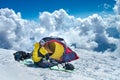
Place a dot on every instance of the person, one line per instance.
(40, 56)
(51, 51)
(47, 53)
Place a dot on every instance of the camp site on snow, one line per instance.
(49, 52)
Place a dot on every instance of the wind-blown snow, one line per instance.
(90, 66)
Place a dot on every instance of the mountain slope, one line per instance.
(90, 66)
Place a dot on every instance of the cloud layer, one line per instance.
(117, 7)
(91, 33)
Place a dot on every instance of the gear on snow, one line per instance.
(49, 52)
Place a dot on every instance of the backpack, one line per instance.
(21, 55)
(68, 66)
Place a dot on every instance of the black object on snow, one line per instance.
(21, 55)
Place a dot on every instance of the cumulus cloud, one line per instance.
(117, 7)
(59, 23)
(15, 32)
(91, 33)
(58, 20)
(117, 51)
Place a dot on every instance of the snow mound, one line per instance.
(90, 66)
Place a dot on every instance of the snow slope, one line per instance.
(90, 66)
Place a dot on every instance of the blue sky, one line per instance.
(30, 9)
(94, 32)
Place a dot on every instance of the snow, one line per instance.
(90, 66)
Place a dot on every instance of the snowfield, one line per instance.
(90, 66)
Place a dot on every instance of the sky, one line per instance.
(30, 9)
(84, 25)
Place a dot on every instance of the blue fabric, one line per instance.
(68, 57)
(46, 64)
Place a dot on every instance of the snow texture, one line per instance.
(90, 66)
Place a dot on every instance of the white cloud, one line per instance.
(87, 33)
(15, 32)
(117, 7)
(56, 20)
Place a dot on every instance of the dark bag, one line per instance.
(21, 55)
(69, 66)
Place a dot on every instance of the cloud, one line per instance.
(91, 33)
(106, 6)
(56, 20)
(117, 7)
(117, 51)
(15, 32)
